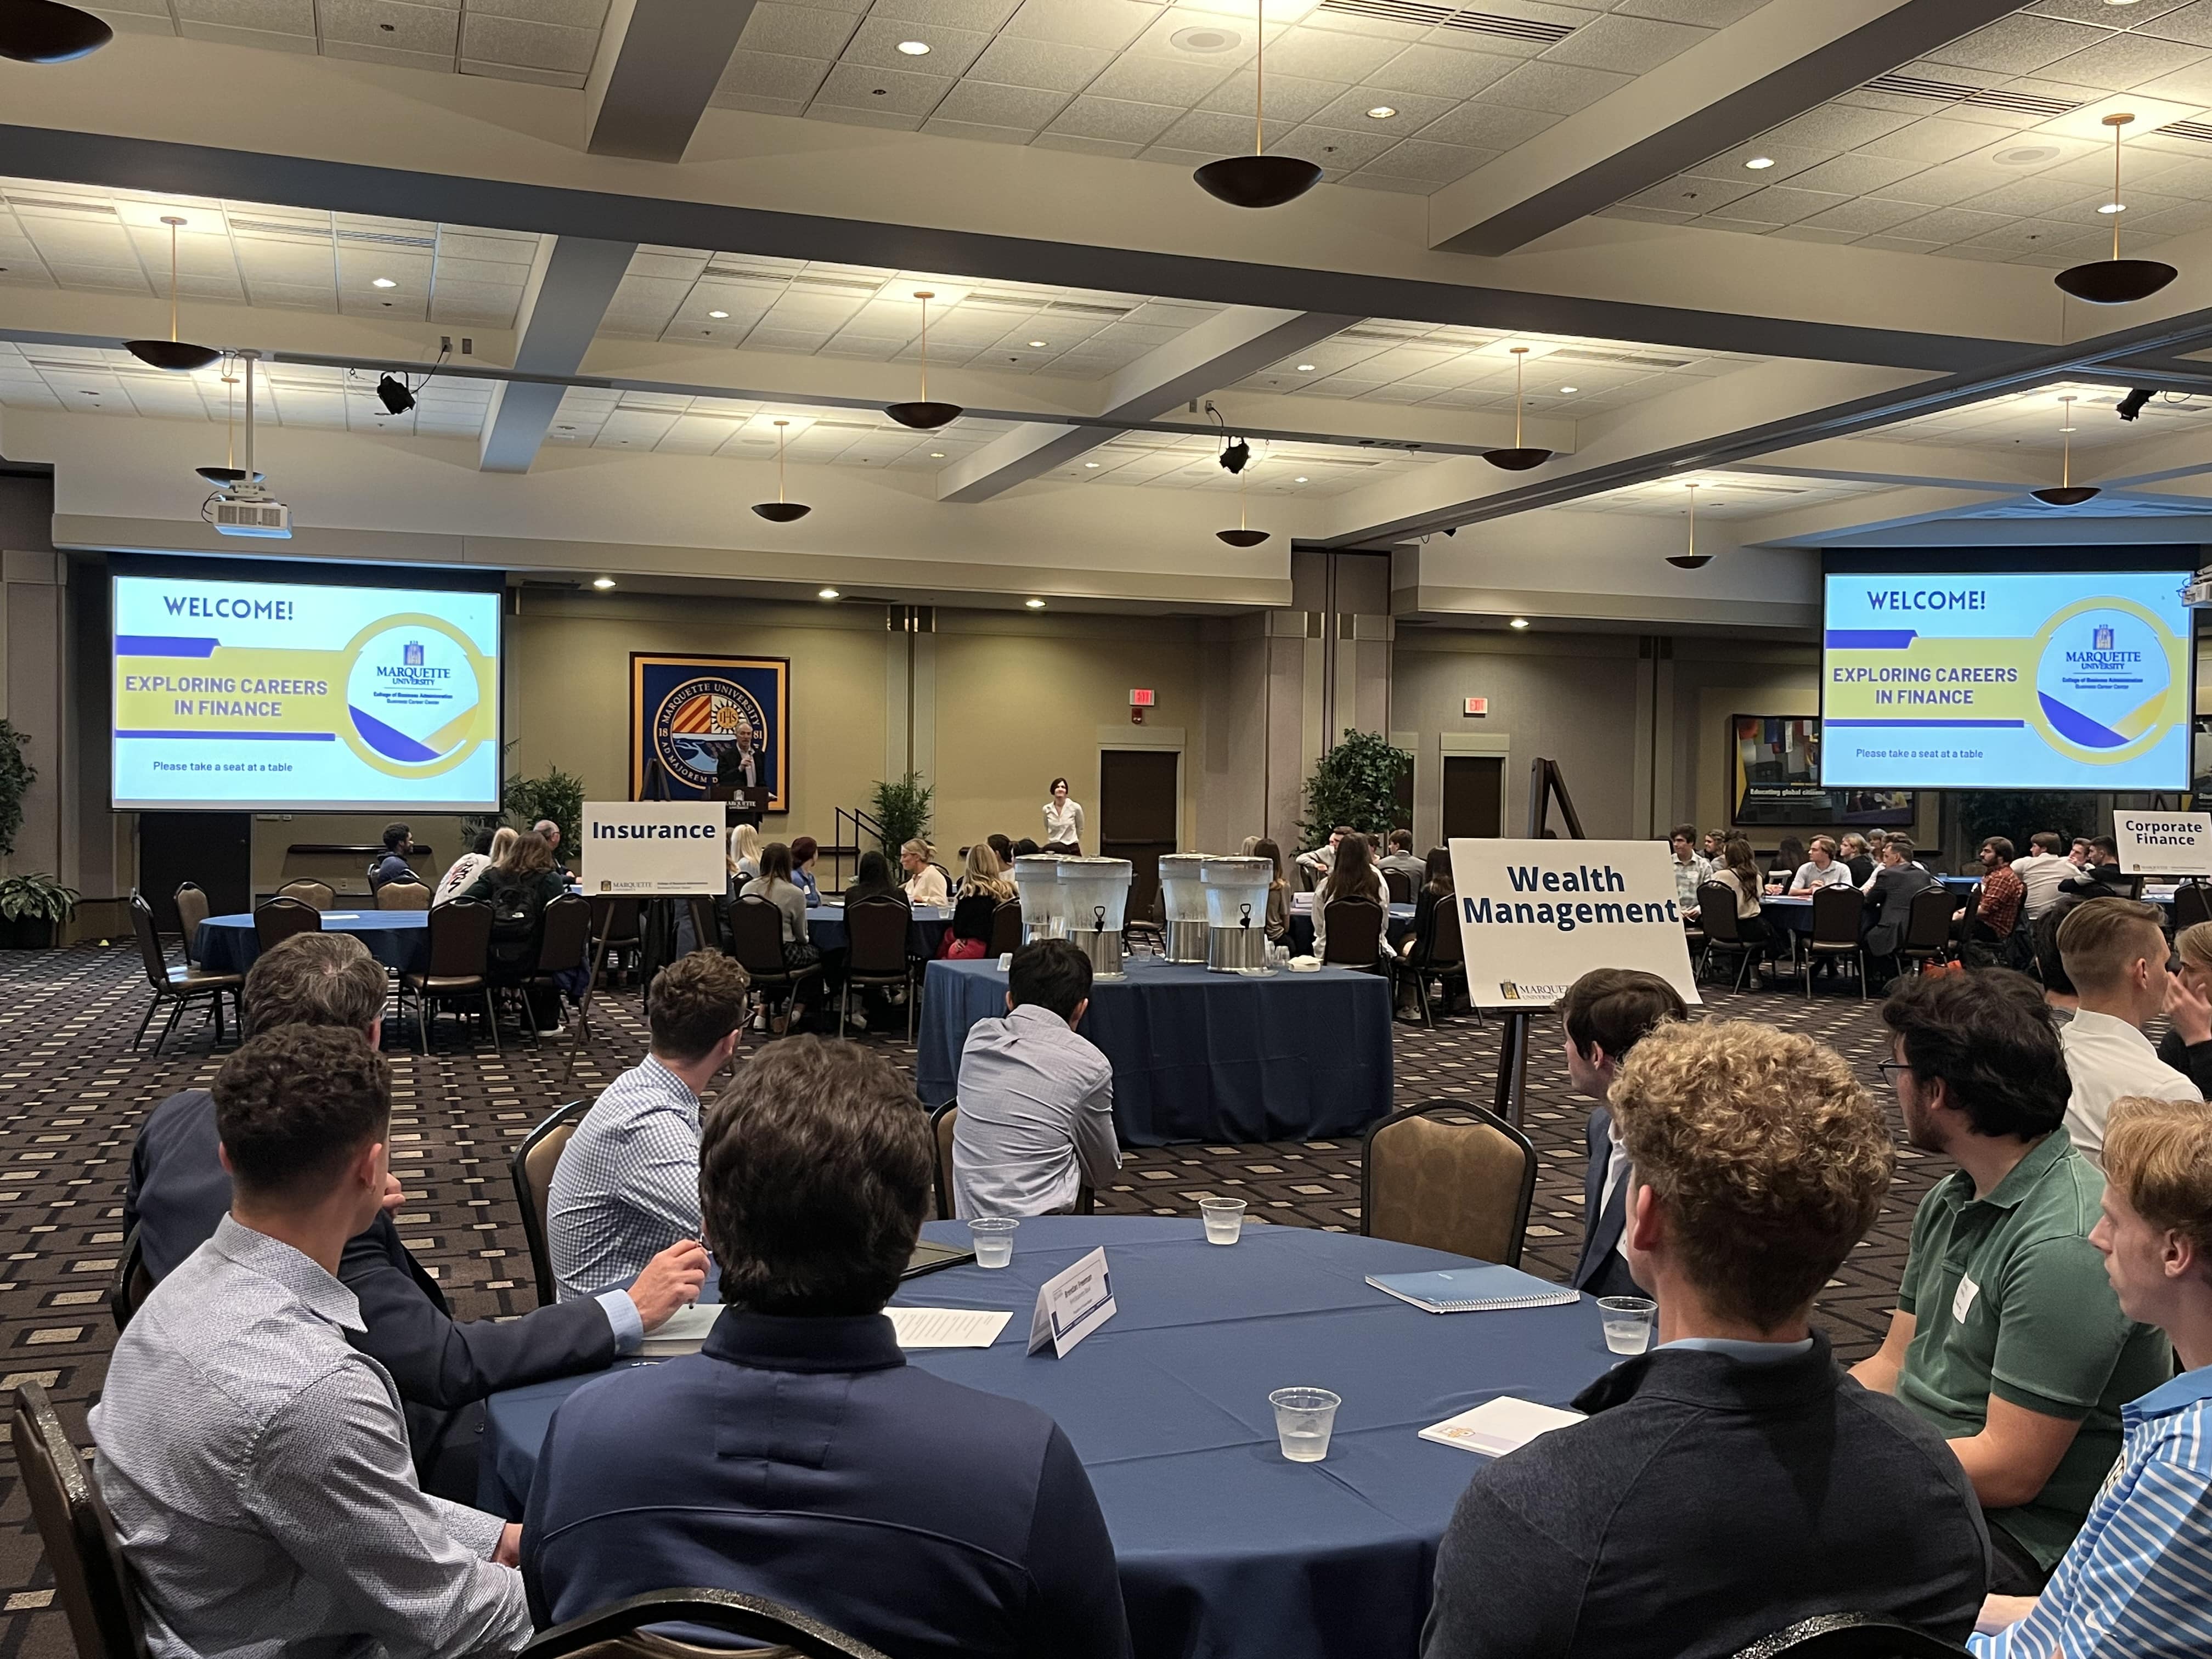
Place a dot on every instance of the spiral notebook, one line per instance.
(1481, 1289)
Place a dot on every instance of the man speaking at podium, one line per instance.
(739, 768)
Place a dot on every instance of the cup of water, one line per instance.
(1303, 1418)
(1224, 1218)
(993, 1241)
(1628, 1322)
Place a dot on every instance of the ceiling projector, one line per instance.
(248, 509)
(2198, 595)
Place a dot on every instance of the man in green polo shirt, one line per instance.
(2006, 1336)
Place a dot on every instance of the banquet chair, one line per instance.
(178, 987)
(1838, 913)
(532, 1168)
(191, 910)
(402, 896)
(2192, 903)
(321, 894)
(1441, 956)
(283, 916)
(92, 1581)
(458, 965)
(1928, 928)
(941, 1122)
(1355, 934)
(563, 944)
(1450, 1176)
(619, 1630)
(756, 941)
(132, 1283)
(875, 936)
(615, 924)
(1850, 1636)
(1717, 902)
(1006, 928)
(1399, 885)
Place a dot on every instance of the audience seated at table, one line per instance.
(392, 866)
(550, 832)
(518, 888)
(1740, 870)
(257, 1463)
(1732, 1481)
(2115, 955)
(1036, 1098)
(1820, 868)
(2007, 1335)
(177, 1191)
(799, 1456)
(925, 881)
(627, 1185)
(2046, 865)
(1692, 869)
(1789, 858)
(1400, 858)
(1319, 860)
(1278, 889)
(983, 888)
(805, 850)
(1896, 883)
(1604, 1015)
(871, 878)
(2187, 1044)
(1857, 857)
(1435, 889)
(1711, 844)
(491, 846)
(2004, 893)
(743, 856)
(2134, 1584)
(2101, 875)
(1351, 875)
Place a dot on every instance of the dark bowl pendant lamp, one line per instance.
(2115, 282)
(1258, 180)
(46, 31)
(1244, 535)
(780, 511)
(2068, 494)
(923, 415)
(230, 473)
(1517, 459)
(1691, 560)
(178, 356)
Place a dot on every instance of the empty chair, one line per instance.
(756, 941)
(876, 935)
(1449, 1176)
(2192, 903)
(562, 944)
(1850, 1636)
(321, 894)
(402, 896)
(1354, 934)
(1400, 887)
(1838, 913)
(619, 1630)
(92, 1581)
(532, 1168)
(459, 957)
(178, 987)
(283, 916)
(1006, 928)
(191, 910)
(941, 1124)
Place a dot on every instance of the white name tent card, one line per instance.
(1071, 1305)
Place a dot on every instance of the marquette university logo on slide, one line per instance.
(412, 693)
(2104, 678)
(698, 720)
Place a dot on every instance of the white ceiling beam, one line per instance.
(1218, 352)
(572, 282)
(1875, 459)
(656, 69)
(1782, 60)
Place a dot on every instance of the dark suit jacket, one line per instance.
(178, 1190)
(1891, 901)
(805, 1460)
(2099, 881)
(1600, 1271)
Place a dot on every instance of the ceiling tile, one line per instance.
(770, 74)
(1108, 24)
(944, 128)
(1561, 89)
(1349, 111)
(2191, 23)
(1113, 119)
(1332, 146)
(1782, 205)
(1438, 163)
(518, 72)
(273, 17)
(1014, 62)
(1953, 181)
(1290, 99)
(1209, 132)
(416, 29)
(1083, 146)
(2019, 45)
(527, 45)
(1706, 14)
(875, 44)
(1159, 81)
(1789, 159)
(760, 106)
(2192, 85)
(1948, 225)
(797, 31)
(1485, 125)
(981, 104)
(1440, 71)
(1936, 139)
(2121, 62)
(1367, 178)
(2027, 196)
(1854, 175)
(1837, 126)
(1866, 214)
(892, 92)
(434, 62)
(1630, 45)
(984, 15)
(1321, 55)
(1686, 194)
(255, 40)
(569, 13)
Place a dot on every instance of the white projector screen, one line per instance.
(237, 695)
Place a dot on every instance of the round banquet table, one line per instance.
(1199, 1055)
(825, 928)
(397, 938)
(1225, 1548)
(1298, 933)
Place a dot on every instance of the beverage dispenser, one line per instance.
(1182, 903)
(1236, 912)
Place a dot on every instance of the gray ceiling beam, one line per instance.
(657, 67)
(571, 284)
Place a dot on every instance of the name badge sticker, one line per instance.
(1962, 1301)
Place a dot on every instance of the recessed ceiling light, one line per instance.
(382, 282)
(1034, 604)
(1518, 621)
(915, 48)
(1205, 39)
(1305, 368)
(1570, 388)
(1091, 463)
(2113, 207)
(603, 583)
(1036, 345)
(1298, 480)
(1381, 112)
(718, 315)
(827, 594)
(2026, 156)
(1757, 164)
(936, 454)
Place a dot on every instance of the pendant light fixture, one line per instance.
(1691, 560)
(1517, 459)
(923, 415)
(46, 31)
(1244, 535)
(230, 471)
(2115, 282)
(780, 511)
(2068, 494)
(1258, 180)
(172, 354)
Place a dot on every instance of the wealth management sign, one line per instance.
(1535, 915)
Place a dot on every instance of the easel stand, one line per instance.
(1512, 1066)
(656, 934)
(1546, 785)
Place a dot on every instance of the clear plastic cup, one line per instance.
(993, 1241)
(1628, 1321)
(1224, 1218)
(1304, 1419)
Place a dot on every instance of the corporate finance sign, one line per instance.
(2164, 843)
(653, 847)
(1536, 915)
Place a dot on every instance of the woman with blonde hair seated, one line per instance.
(925, 881)
(744, 857)
(983, 888)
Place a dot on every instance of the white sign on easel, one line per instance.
(653, 847)
(1536, 915)
(2164, 843)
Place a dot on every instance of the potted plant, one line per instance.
(16, 777)
(32, 910)
(902, 811)
(558, 795)
(1354, 784)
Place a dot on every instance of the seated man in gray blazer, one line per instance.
(1896, 883)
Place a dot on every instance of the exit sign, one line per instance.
(1478, 706)
(1142, 699)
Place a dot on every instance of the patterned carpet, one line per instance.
(73, 1092)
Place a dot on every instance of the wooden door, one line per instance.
(1139, 801)
(1474, 795)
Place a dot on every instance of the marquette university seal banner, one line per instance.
(687, 713)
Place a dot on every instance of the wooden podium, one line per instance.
(742, 805)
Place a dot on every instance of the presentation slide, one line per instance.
(2041, 680)
(281, 695)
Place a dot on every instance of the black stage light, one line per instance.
(1236, 457)
(392, 392)
(2132, 405)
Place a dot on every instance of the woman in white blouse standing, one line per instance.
(1063, 822)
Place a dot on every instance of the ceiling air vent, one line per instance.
(1452, 17)
(1627, 359)
(1953, 92)
(60, 204)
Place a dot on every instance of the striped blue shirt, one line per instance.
(626, 1184)
(2138, 1582)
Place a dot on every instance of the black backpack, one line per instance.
(518, 909)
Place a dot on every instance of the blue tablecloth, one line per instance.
(1199, 1055)
(1225, 1549)
(1298, 935)
(825, 928)
(397, 938)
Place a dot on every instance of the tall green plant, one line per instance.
(16, 777)
(558, 795)
(902, 811)
(2016, 814)
(1355, 784)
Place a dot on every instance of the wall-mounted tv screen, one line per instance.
(1775, 761)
